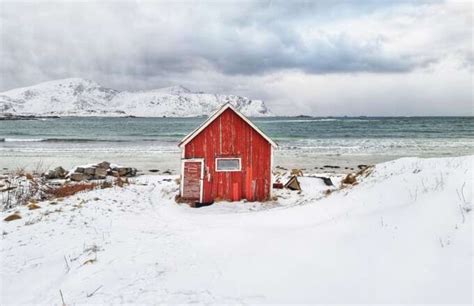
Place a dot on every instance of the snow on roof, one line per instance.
(214, 116)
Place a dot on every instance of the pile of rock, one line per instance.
(91, 172)
(100, 171)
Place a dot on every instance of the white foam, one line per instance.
(23, 139)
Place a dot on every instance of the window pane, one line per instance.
(228, 164)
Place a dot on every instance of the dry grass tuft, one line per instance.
(12, 217)
(296, 172)
(33, 206)
(8, 188)
(18, 190)
(106, 184)
(70, 189)
(49, 212)
(365, 171)
(119, 182)
(350, 179)
(20, 171)
(34, 220)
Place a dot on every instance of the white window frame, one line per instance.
(234, 170)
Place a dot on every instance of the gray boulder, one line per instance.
(89, 171)
(57, 173)
(132, 172)
(103, 165)
(77, 177)
(122, 171)
(100, 173)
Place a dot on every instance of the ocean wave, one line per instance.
(86, 140)
(82, 140)
(21, 139)
(299, 120)
(342, 120)
(56, 140)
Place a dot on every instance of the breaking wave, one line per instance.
(21, 139)
(56, 140)
(84, 140)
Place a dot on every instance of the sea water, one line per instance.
(375, 138)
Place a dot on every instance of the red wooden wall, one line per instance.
(230, 136)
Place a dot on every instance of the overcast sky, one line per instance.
(310, 57)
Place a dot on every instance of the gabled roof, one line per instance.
(214, 116)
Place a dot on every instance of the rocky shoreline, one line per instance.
(9, 116)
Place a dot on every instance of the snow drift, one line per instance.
(402, 235)
(79, 97)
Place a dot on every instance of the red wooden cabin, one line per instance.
(226, 158)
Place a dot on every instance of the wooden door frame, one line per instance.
(201, 178)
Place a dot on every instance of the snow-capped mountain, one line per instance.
(79, 97)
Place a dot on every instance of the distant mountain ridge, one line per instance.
(80, 97)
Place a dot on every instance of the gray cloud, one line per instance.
(135, 45)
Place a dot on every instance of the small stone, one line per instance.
(77, 177)
(100, 173)
(89, 171)
(132, 172)
(60, 171)
(122, 171)
(103, 165)
(57, 173)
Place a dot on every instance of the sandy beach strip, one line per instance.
(170, 161)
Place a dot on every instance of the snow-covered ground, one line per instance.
(402, 235)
